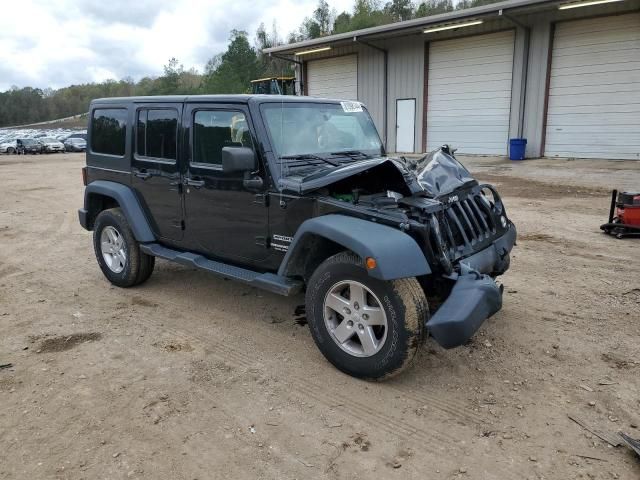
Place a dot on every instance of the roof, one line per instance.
(258, 98)
(174, 99)
(408, 25)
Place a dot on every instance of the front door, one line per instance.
(155, 169)
(225, 217)
(405, 125)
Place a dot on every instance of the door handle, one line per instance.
(195, 183)
(143, 174)
(252, 183)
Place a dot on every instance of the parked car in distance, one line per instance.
(294, 194)
(8, 147)
(51, 145)
(29, 145)
(78, 135)
(75, 144)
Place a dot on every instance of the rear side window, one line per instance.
(109, 131)
(215, 129)
(157, 133)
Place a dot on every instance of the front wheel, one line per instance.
(117, 251)
(365, 327)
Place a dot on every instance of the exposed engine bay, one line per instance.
(434, 197)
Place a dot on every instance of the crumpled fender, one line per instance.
(397, 254)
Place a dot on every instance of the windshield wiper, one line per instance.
(308, 156)
(351, 154)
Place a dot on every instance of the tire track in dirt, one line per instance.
(315, 391)
(170, 437)
(7, 270)
(457, 410)
(431, 440)
(303, 386)
(305, 389)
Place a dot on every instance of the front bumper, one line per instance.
(475, 295)
(474, 298)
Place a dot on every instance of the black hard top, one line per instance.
(214, 98)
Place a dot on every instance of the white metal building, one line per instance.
(564, 74)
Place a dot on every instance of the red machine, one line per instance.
(624, 215)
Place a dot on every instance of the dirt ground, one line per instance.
(193, 377)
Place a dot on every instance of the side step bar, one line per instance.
(267, 281)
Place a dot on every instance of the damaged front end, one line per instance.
(460, 225)
(471, 237)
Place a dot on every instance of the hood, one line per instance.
(440, 173)
(435, 174)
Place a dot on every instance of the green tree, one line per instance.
(322, 17)
(366, 14)
(232, 71)
(462, 4)
(170, 81)
(342, 23)
(399, 10)
(269, 65)
(434, 7)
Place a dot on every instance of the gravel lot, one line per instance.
(190, 376)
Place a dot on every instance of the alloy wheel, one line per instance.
(112, 247)
(355, 318)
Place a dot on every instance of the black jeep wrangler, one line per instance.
(290, 194)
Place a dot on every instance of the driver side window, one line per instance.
(215, 129)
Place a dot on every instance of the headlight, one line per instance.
(503, 221)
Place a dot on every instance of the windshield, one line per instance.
(321, 129)
(48, 140)
(28, 141)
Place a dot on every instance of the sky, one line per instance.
(55, 43)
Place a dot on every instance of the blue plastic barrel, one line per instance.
(517, 147)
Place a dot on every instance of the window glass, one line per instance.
(141, 133)
(215, 129)
(316, 128)
(157, 131)
(109, 131)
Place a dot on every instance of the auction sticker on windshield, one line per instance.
(350, 107)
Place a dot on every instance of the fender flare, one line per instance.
(397, 254)
(129, 204)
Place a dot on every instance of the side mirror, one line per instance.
(238, 159)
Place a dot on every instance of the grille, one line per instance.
(467, 224)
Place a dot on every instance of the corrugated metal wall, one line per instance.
(406, 72)
(406, 80)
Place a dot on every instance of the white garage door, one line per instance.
(333, 77)
(594, 92)
(469, 93)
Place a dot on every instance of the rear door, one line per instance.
(224, 217)
(155, 170)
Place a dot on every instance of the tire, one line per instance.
(117, 251)
(10, 151)
(392, 346)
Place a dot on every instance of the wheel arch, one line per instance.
(397, 254)
(101, 195)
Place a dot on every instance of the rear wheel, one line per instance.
(11, 150)
(117, 251)
(367, 328)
